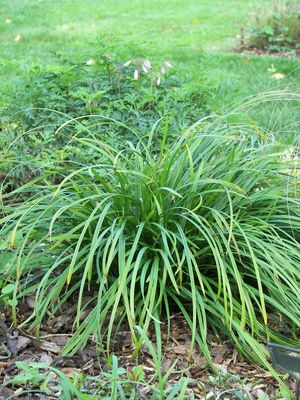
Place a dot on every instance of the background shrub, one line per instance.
(276, 28)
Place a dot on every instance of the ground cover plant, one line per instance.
(208, 225)
(275, 28)
(115, 383)
(134, 92)
(38, 379)
(44, 97)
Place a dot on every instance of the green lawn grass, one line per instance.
(196, 35)
(176, 28)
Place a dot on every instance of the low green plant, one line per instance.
(41, 378)
(276, 28)
(6, 295)
(208, 226)
(121, 383)
(117, 383)
(137, 93)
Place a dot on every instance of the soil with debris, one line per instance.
(261, 52)
(18, 344)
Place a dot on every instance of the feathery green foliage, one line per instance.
(135, 92)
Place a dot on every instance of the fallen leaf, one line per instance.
(5, 393)
(278, 75)
(260, 386)
(22, 343)
(3, 329)
(219, 354)
(166, 365)
(49, 346)
(12, 345)
(3, 364)
(61, 340)
(46, 359)
(69, 372)
(16, 343)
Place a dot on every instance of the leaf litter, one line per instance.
(20, 345)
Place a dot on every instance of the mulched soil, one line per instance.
(261, 52)
(21, 345)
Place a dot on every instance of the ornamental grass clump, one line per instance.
(276, 28)
(208, 226)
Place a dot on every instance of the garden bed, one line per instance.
(238, 378)
(149, 215)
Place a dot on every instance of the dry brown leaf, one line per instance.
(22, 343)
(46, 359)
(166, 365)
(49, 346)
(61, 340)
(69, 372)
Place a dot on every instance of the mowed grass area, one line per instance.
(175, 28)
(195, 35)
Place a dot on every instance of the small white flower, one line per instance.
(158, 81)
(8, 21)
(147, 64)
(127, 63)
(168, 64)
(136, 74)
(145, 68)
(90, 62)
(17, 38)
(163, 71)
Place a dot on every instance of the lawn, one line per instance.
(106, 230)
(196, 36)
(178, 29)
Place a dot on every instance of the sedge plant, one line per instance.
(208, 226)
